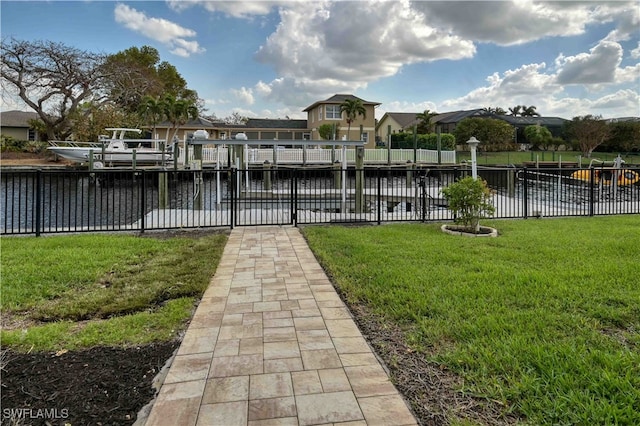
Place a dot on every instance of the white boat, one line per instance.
(114, 149)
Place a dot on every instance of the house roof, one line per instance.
(622, 119)
(269, 123)
(17, 118)
(338, 99)
(532, 121)
(404, 119)
(456, 116)
(198, 123)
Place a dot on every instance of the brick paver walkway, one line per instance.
(272, 343)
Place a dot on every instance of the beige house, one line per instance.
(321, 112)
(15, 124)
(395, 122)
(164, 130)
(328, 112)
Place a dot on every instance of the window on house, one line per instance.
(319, 113)
(364, 136)
(32, 134)
(333, 112)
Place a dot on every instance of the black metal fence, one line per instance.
(36, 202)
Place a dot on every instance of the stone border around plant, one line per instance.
(485, 231)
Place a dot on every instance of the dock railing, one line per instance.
(326, 156)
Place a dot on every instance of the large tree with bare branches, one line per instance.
(51, 78)
(136, 74)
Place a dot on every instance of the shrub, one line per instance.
(11, 144)
(424, 141)
(469, 200)
(35, 147)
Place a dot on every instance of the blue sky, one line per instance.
(271, 59)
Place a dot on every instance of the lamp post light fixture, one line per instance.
(473, 145)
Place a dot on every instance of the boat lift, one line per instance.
(200, 138)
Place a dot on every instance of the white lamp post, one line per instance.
(473, 145)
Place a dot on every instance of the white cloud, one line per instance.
(530, 85)
(626, 15)
(320, 48)
(628, 74)
(524, 85)
(263, 88)
(626, 100)
(596, 67)
(404, 106)
(635, 53)
(166, 32)
(236, 9)
(326, 47)
(509, 22)
(244, 95)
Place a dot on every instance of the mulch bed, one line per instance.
(98, 386)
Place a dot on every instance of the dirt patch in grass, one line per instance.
(98, 386)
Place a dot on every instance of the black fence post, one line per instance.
(294, 197)
(232, 204)
(38, 200)
(592, 198)
(379, 195)
(423, 195)
(143, 200)
(525, 189)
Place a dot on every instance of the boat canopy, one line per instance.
(118, 132)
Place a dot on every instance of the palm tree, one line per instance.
(529, 111)
(352, 108)
(424, 119)
(151, 110)
(178, 111)
(516, 110)
(496, 110)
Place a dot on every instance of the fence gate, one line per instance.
(262, 198)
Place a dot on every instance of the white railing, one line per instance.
(256, 156)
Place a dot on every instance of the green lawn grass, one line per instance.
(544, 319)
(84, 290)
(519, 157)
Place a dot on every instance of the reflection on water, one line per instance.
(78, 200)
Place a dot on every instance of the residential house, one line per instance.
(328, 112)
(398, 122)
(164, 129)
(15, 124)
(394, 122)
(450, 120)
(274, 129)
(321, 112)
